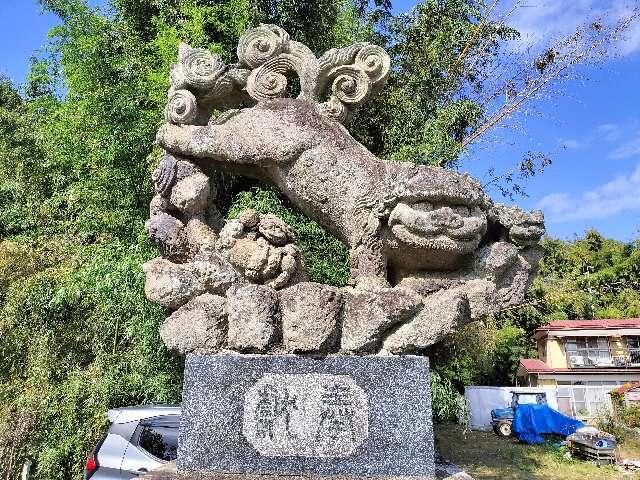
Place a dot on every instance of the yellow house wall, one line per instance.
(556, 357)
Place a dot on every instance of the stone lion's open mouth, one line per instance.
(438, 226)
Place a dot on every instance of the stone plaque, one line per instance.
(293, 415)
(311, 415)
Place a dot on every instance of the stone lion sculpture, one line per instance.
(429, 250)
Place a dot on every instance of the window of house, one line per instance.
(633, 344)
(585, 398)
(588, 351)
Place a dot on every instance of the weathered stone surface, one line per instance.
(199, 235)
(253, 318)
(228, 235)
(499, 276)
(215, 272)
(516, 280)
(159, 204)
(164, 176)
(262, 248)
(275, 230)
(369, 314)
(483, 297)
(494, 259)
(310, 317)
(191, 194)
(380, 427)
(400, 215)
(426, 283)
(200, 325)
(249, 218)
(442, 312)
(167, 233)
(523, 228)
(170, 284)
(174, 284)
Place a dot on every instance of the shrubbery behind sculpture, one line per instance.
(429, 251)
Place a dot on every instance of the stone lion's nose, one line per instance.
(445, 217)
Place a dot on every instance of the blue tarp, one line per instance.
(531, 420)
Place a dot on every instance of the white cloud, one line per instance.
(618, 195)
(541, 21)
(608, 132)
(627, 149)
(569, 143)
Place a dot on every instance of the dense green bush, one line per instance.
(447, 402)
(630, 416)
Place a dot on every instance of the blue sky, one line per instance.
(591, 125)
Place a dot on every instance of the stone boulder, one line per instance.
(168, 234)
(200, 236)
(310, 317)
(198, 326)
(370, 313)
(442, 312)
(483, 297)
(191, 194)
(174, 284)
(263, 249)
(516, 280)
(217, 274)
(492, 260)
(253, 318)
(171, 284)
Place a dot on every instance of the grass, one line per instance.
(484, 455)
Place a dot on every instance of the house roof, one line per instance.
(606, 324)
(533, 365)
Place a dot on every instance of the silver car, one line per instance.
(139, 440)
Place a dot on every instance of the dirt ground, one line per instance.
(484, 455)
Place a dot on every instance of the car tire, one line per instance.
(503, 429)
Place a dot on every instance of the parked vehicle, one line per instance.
(139, 440)
(502, 418)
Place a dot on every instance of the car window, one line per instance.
(159, 437)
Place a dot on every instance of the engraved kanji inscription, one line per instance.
(312, 415)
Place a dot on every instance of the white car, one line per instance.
(139, 440)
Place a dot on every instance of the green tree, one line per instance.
(438, 51)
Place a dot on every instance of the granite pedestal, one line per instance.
(285, 415)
